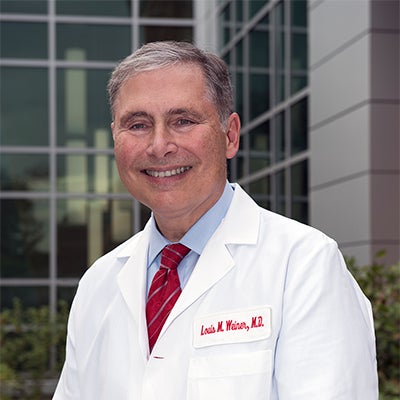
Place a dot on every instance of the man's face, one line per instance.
(169, 145)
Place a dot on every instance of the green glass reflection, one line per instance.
(298, 82)
(260, 191)
(299, 13)
(87, 229)
(24, 238)
(240, 165)
(157, 33)
(166, 9)
(299, 189)
(82, 173)
(83, 116)
(117, 8)
(239, 53)
(30, 296)
(239, 12)
(280, 47)
(256, 6)
(259, 48)
(259, 94)
(80, 42)
(280, 137)
(299, 126)
(299, 62)
(239, 100)
(14, 43)
(225, 20)
(280, 192)
(260, 150)
(23, 6)
(66, 293)
(299, 51)
(21, 172)
(23, 106)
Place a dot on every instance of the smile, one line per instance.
(164, 174)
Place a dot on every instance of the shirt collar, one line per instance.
(198, 235)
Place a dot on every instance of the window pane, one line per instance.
(260, 156)
(156, 33)
(260, 190)
(299, 13)
(24, 6)
(299, 51)
(255, 6)
(280, 61)
(166, 9)
(280, 192)
(78, 42)
(30, 296)
(225, 20)
(24, 238)
(280, 137)
(299, 126)
(239, 94)
(23, 106)
(299, 188)
(239, 14)
(88, 229)
(66, 293)
(14, 43)
(21, 172)
(239, 54)
(120, 8)
(82, 173)
(259, 94)
(299, 55)
(83, 116)
(259, 47)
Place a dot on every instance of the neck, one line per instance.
(174, 226)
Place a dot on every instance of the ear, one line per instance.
(232, 135)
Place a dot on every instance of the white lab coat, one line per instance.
(270, 312)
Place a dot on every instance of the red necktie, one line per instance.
(164, 290)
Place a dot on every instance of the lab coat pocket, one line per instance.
(231, 376)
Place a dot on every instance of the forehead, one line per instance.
(173, 75)
(174, 84)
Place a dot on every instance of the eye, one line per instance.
(138, 126)
(184, 122)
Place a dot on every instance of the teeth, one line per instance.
(163, 174)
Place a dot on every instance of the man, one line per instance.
(265, 307)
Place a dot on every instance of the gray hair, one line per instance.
(157, 55)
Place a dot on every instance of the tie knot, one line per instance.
(173, 254)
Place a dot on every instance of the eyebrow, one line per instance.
(185, 111)
(127, 117)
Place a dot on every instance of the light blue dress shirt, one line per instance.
(195, 238)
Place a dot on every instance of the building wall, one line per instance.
(354, 125)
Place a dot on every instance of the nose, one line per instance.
(162, 142)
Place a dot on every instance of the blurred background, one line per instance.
(317, 88)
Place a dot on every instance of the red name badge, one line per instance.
(236, 326)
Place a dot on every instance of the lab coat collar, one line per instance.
(239, 227)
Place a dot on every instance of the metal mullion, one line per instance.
(52, 160)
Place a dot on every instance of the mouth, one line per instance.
(167, 173)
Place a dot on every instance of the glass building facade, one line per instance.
(61, 202)
(265, 46)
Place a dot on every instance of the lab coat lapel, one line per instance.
(132, 284)
(241, 226)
